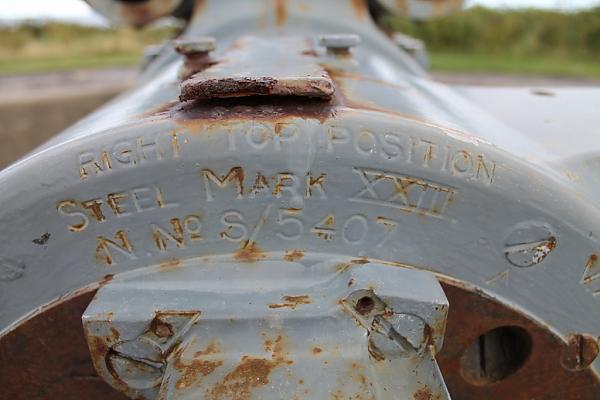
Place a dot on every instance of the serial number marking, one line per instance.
(179, 233)
(406, 193)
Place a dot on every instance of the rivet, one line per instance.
(339, 43)
(195, 46)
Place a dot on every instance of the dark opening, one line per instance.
(364, 305)
(495, 355)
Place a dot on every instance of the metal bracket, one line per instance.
(224, 331)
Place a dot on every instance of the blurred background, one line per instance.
(59, 60)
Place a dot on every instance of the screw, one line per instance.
(195, 46)
(196, 52)
(398, 335)
(10, 270)
(339, 44)
(161, 328)
(580, 352)
(529, 244)
(137, 363)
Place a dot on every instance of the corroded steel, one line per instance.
(287, 69)
(388, 168)
(228, 332)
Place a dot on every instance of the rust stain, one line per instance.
(212, 348)
(161, 328)
(94, 206)
(589, 273)
(199, 6)
(317, 350)
(199, 367)
(293, 255)
(268, 345)
(213, 114)
(280, 12)
(423, 394)
(169, 264)
(57, 363)
(250, 373)
(249, 253)
(195, 63)
(292, 302)
(114, 335)
(199, 87)
(541, 377)
(98, 349)
(343, 267)
(360, 8)
(53, 368)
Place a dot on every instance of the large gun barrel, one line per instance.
(287, 207)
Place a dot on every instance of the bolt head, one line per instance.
(196, 45)
(339, 41)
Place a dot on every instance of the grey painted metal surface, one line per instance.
(221, 329)
(396, 169)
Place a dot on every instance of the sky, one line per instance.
(79, 11)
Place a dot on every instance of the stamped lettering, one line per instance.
(405, 193)
(127, 153)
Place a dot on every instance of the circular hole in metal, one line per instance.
(495, 355)
(364, 305)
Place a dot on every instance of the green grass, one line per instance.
(513, 64)
(41, 47)
(524, 41)
(23, 65)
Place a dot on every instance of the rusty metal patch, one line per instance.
(540, 374)
(47, 356)
(260, 67)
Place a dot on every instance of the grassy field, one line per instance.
(32, 47)
(511, 41)
(510, 64)
(478, 39)
(24, 65)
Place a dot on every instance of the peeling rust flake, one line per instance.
(293, 255)
(280, 12)
(215, 113)
(250, 373)
(200, 366)
(249, 253)
(282, 68)
(292, 302)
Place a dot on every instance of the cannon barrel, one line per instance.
(286, 206)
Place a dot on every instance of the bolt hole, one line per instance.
(365, 305)
(495, 355)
